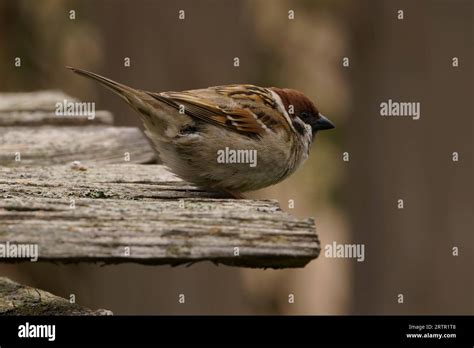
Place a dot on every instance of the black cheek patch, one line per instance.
(191, 129)
(298, 127)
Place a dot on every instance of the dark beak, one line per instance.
(323, 123)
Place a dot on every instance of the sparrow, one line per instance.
(206, 136)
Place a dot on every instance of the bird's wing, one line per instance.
(246, 109)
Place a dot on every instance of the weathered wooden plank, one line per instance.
(144, 214)
(38, 109)
(32, 101)
(17, 299)
(42, 118)
(60, 145)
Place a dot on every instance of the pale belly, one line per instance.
(231, 162)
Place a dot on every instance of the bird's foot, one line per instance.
(234, 194)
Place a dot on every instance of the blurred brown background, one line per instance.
(407, 251)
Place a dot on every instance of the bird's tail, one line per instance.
(156, 115)
(122, 90)
(139, 100)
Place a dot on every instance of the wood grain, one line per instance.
(38, 109)
(144, 214)
(32, 101)
(17, 299)
(42, 118)
(60, 145)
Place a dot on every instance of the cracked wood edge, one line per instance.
(62, 145)
(144, 214)
(44, 100)
(17, 299)
(45, 118)
(38, 109)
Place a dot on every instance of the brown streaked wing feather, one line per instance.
(243, 108)
(248, 93)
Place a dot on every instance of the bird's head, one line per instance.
(298, 105)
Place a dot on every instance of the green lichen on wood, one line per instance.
(17, 299)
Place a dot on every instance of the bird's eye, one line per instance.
(305, 115)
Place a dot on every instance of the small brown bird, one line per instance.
(233, 138)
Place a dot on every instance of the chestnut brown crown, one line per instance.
(303, 108)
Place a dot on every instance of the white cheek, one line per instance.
(308, 138)
(282, 109)
(309, 131)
